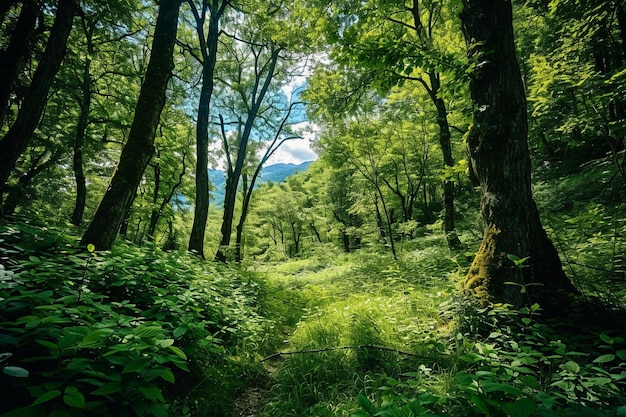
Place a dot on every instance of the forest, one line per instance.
(457, 247)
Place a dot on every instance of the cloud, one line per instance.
(293, 151)
(296, 151)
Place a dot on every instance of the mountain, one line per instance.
(276, 173)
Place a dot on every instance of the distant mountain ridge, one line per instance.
(275, 173)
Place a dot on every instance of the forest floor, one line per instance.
(341, 302)
(363, 324)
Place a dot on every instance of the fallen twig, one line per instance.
(328, 349)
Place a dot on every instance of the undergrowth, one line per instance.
(130, 332)
(382, 338)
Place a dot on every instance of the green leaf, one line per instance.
(52, 347)
(158, 410)
(529, 381)
(91, 248)
(165, 343)
(179, 331)
(571, 366)
(524, 407)
(168, 376)
(606, 338)
(109, 388)
(621, 411)
(73, 397)
(46, 396)
(366, 404)
(148, 331)
(509, 389)
(151, 392)
(15, 371)
(621, 354)
(178, 352)
(28, 411)
(480, 404)
(137, 364)
(96, 338)
(604, 358)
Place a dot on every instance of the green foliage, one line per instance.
(114, 333)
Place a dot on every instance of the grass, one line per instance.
(376, 317)
(376, 337)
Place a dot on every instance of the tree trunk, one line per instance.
(158, 212)
(497, 146)
(18, 136)
(139, 148)
(209, 51)
(446, 148)
(234, 173)
(14, 56)
(81, 129)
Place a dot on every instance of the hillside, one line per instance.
(276, 173)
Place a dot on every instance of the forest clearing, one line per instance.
(421, 208)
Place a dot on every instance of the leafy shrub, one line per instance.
(111, 333)
(523, 367)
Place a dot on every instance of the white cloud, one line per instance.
(295, 151)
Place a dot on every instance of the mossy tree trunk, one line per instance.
(139, 148)
(497, 145)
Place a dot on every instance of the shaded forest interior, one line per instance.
(456, 249)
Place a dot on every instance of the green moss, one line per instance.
(480, 273)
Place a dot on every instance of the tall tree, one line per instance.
(279, 139)
(16, 139)
(139, 147)
(208, 49)
(497, 146)
(14, 56)
(263, 59)
(84, 103)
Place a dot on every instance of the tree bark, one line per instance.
(14, 56)
(497, 146)
(16, 139)
(139, 148)
(84, 103)
(446, 148)
(209, 52)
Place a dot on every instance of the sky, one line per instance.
(295, 151)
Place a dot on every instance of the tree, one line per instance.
(14, 56)
(279, 138)
(500, 163)
(252, 86)
(16, 139)
(139, 148)
(208, 59)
